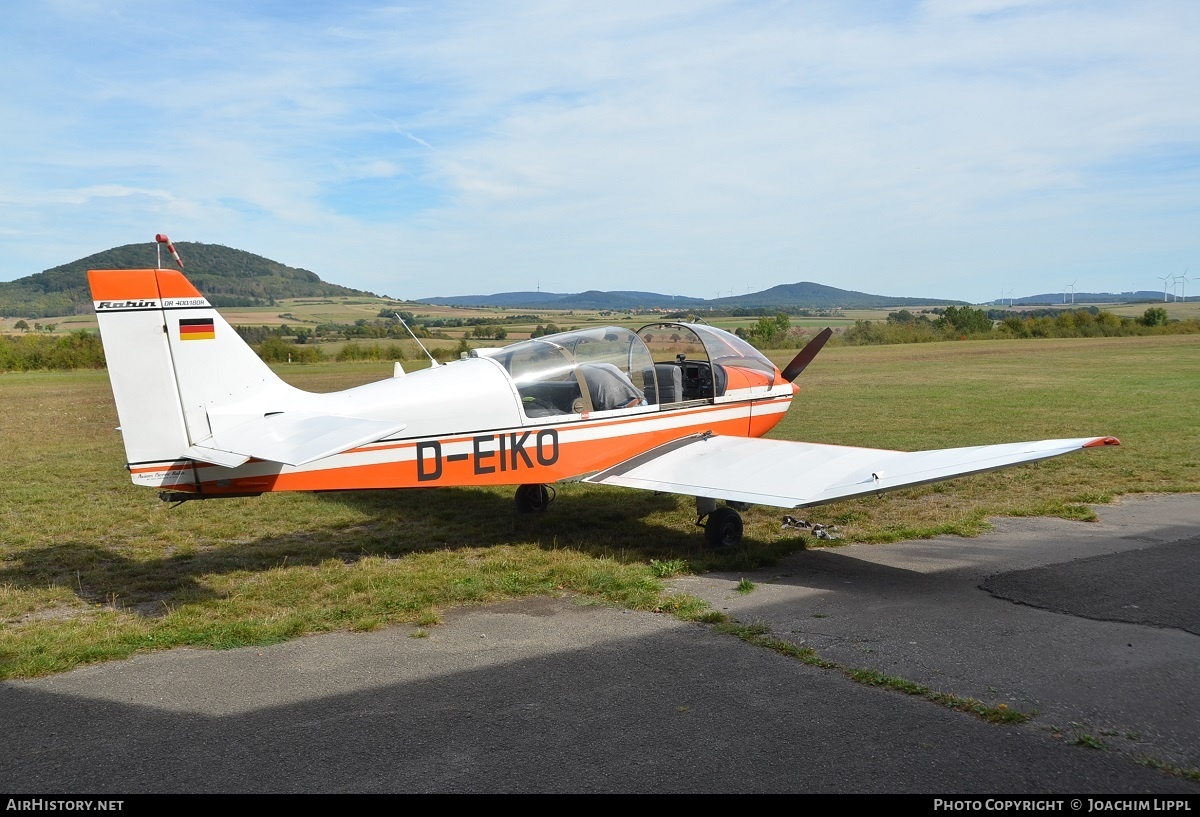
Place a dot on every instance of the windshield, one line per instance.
(727, 349)
(697, 362)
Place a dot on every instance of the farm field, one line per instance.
(1176, 310)
(309, 312)
(92, 568)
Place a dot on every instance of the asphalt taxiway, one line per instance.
(1092, 628)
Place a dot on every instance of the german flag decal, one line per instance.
(196, 329)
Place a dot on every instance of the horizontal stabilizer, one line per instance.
(225, 459)
(292, 437)
(795, 475)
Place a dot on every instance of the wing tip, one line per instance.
(1101, 441)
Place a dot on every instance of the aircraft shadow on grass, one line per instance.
(600, 522)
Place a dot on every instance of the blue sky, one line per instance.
(949, 148)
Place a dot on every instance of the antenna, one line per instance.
(432, 362)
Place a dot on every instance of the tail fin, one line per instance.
(171, 357)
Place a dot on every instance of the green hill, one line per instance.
(226, 276)
(806, 294)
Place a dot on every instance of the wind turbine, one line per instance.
(1164, 279)
(1184, 279)
(1072, 286)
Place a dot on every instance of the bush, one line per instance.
(277, 350)
(78, 350)
(371, 351)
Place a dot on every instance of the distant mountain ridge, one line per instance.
(1058, 299)
(227, 277)
(802, 295)
(232, 278)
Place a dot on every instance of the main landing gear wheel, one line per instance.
(723, 529)
(532, 498)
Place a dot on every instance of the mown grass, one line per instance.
(1146, 391)
(92, 568)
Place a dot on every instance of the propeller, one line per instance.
(800, 362)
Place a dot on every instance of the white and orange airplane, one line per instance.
(674, 407)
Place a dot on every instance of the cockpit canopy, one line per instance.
(611, 368)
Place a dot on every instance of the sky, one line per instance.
(965, 149)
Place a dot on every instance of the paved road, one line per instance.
(1093, 626)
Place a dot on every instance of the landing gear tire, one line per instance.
(723, 529)
(532, 498)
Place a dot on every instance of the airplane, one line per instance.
(674, 407)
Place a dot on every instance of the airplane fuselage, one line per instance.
(465, 425)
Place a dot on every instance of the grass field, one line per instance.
(92, 568)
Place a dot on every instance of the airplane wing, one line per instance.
(289, 437)
(795, 475)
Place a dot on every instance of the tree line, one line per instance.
(282, 344)
(963, 323)
(78, 350)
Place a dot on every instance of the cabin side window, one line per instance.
(546, 378)
(613, 362)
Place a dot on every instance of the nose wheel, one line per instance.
(723, 529)
(722, 526)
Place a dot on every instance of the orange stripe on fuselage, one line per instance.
(673, 414)
(529, 454)
(153, 469)
(760, 424)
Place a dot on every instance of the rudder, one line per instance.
(171, 358)
(140, 368)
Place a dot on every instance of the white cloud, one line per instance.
(931, 148)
